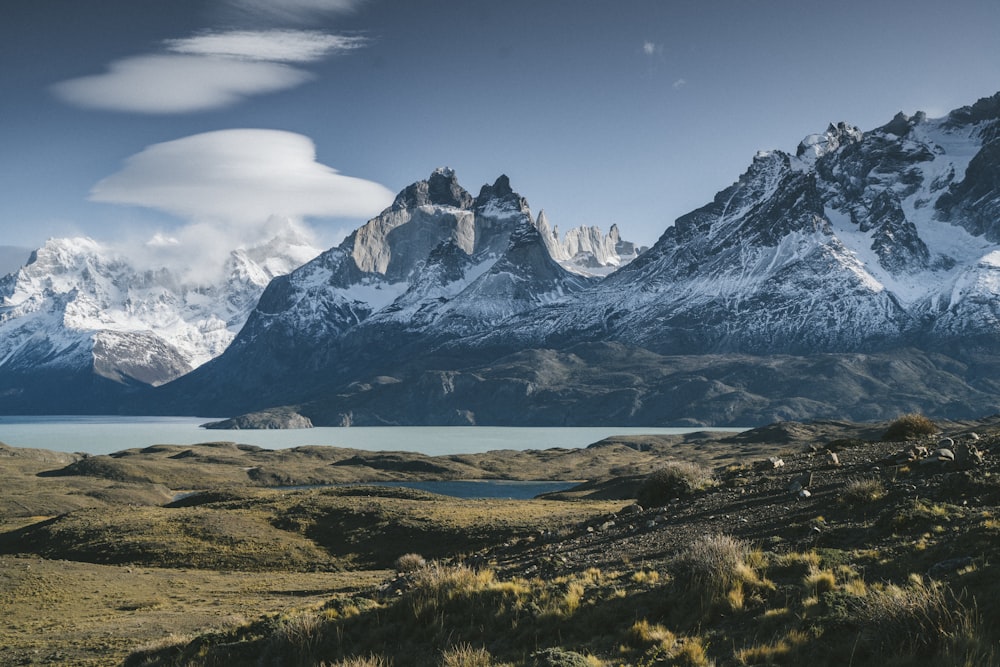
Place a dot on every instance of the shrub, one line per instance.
(297, 639)
(643, 633)
(369, 661)
(675, 480)
(713, 561)
(691, 653)
(465, 655)
(863, 491)
(917, 619)
(819, 581)
(436, 585)
(409, 563)
(716, 570)
(908, 427)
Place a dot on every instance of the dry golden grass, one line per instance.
(81, 614)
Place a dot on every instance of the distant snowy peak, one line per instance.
(816, 146)
(587, 250)
(87, 304)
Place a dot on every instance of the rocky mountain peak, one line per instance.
(500, 199)
(901, 124)
(440, 189)
(986, 108)
(816, 146)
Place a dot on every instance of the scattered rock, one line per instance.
(967, 456)
(832, 459)
(942, 455)
(800, 482)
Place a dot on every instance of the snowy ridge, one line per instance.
(438, 259)
(79, 304)
(859, 241)
(586, 250)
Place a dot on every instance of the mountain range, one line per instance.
(856, 278)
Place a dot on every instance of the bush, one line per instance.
(909, 427)
(714, 563)
(917, 619)
(715, 571)
(863, 491)
(466, 655)
(409, 563)
(675, 480)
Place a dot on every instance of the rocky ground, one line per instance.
(796, 500)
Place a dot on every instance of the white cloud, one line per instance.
(649, 48)
(679, 83)
(177, 83)
(207, 71)
(271, 45)
(292, 11)
(240, 178)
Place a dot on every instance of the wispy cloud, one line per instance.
(291, 12)
(206, 71)
(679, 83)
(649, 48)
(240, 177)
(269, 45)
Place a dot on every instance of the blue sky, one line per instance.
(131, 118)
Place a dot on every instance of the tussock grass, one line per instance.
(360, 661)
(918, 619)
(717, 570)
(675, 480)
(410, 562)
(909, 427)
(466, 655)
(863, 491)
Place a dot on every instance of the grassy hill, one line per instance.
(793, 544)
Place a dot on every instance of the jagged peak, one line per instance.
(440, 189)
(815, 146)
(901, 124)
(500, 198)
(986, 108)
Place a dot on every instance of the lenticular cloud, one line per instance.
(208, 71)
(177, 83)
(240, 177)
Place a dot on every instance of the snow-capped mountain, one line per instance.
(80, 307)
(438, 264)
(860, 273)
(586, 250)
(870, 258)
(859, 241)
